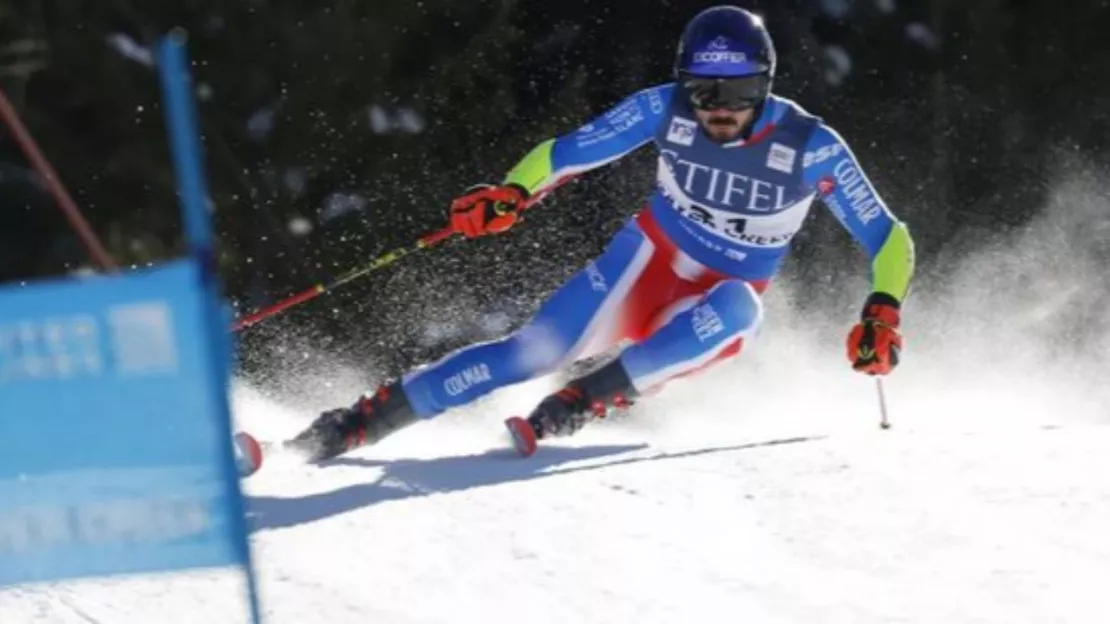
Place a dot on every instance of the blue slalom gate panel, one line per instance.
(115, 442)
(113, 453)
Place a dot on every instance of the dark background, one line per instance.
(336, 130)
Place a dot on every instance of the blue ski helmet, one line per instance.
(726, 59)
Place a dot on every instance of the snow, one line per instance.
(762, 491)
(773, 500)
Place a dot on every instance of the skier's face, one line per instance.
(725, 106)
(725, 125)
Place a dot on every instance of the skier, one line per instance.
(678, 287)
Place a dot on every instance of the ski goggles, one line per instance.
(728, 93)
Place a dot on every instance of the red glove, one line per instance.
(874, 343)
(487, 209)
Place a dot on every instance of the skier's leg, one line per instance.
(714, 327)
(585, 310)
(589, 305)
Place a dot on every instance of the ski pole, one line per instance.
(355, 273)
(884, 423)
(384, 260)
(54, 186)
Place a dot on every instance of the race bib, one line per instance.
(761, 230)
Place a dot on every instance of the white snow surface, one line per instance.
(761, 491)
(745, 495)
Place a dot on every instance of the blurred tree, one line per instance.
(336, 129)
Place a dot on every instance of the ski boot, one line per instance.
(366, 422)
(590, 397)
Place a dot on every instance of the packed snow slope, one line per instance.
(763, 491)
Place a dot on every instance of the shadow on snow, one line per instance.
(408, 478)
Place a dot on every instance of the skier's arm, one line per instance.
(622, 129)
(832, 171)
